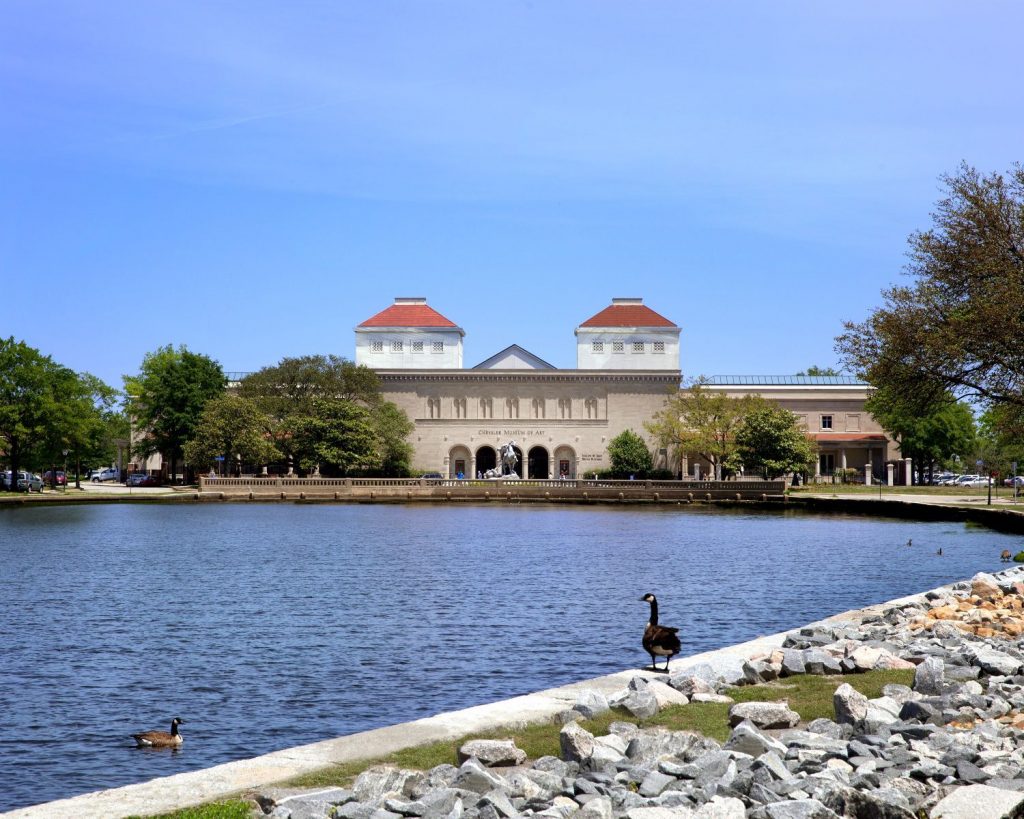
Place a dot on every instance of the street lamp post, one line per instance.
(64, 452)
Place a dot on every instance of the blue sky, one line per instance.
(254, 179)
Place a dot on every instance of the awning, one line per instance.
(840, 438)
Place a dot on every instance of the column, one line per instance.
(908, 472)
(472, 465)
(684, 467)
(817, 466)
(842, 458)
(868, 467)
(889, 474)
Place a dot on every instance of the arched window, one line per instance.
(511, 407)
(538, 408)
(565, 407)
(434, 407)
(591, 405)
(460, 407)
(486, 408)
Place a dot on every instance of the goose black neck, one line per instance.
(654, 612)
(174, 729)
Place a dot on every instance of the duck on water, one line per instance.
(659, 641)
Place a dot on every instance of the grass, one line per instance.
(860, 489)
(809, 695)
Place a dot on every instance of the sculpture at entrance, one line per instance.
(508, 460)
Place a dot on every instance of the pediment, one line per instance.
(514, 357)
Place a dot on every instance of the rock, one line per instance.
(576, 743)
(689, 684)
(865, 657)
(654, 783)
(304, 804)
(666, 694)
(929, 676)
(473, 776)
(817, 661)
(764, 714)
(600, 807)
(722, 807)
(850, 705)
(985, 586)
(499, 801)
(746, 739)
(660, 813)
(802, 809)
(492, 752)
(380, 781)
(792, 662)
(980, 802)
(994, 662)
(590, 703)
(639, 700)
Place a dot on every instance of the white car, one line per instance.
(107, 474)
(975, 480)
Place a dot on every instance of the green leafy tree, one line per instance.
(957, 327)
(90, 427)
(234, 428)
(393, 428)
(771, 441)
(629, 455)
(32, 386)
(337, 436)
(167, 396)
(700, 421)
(931, 438)
(815, 370)
(999, 443)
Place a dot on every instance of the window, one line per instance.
(434, 407)
(659, 347)
(538, 408)
(801, 419)
(638, 346)
(853, 422)
(486, 408)
(396, 346)
(417, 346)
(437, 347)
(597, 347)
(460, 408)
(618, 347)
(591, 405)
(376, 346)
(826, 422)
(511, 407)
(565, 407)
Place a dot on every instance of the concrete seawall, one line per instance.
(195, 787)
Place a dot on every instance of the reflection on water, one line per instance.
(270, 626)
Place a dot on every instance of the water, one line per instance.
(267, 626)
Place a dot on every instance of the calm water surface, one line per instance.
(270, 626)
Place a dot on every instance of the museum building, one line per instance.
(561, 420)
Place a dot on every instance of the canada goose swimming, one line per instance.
(939, 553)
(1005, 556)
(161, 739)
(910, 541)
(659, 641)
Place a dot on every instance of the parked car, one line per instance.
(107, 474)
(1016, 480)
(975, 480)
(140, 479)
(28, 482)
(432, 475)
(55, 477)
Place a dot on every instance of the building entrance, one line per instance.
(538, 463)
(486, 458)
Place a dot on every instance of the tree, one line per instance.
(957, 328)
(234, 428)
(337, 434)
(697, 420)
(393, 428)
(815, 370)
(90, 424)
(770, 440)
(933, 437)
(31, 386)
(291, 386)
(167, 396)
(629, 455)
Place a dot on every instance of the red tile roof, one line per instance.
(627, 315)
(408, 315)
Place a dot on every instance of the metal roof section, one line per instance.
(628, 312)
(514, 357)
(410, 312)
(786, 381)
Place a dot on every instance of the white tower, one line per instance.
(627, 336)
(409, 335)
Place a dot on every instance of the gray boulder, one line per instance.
(980, 802)
(639, 699)
(995, 662)
(850, 705)
(375, 783)
(764, 714)
(576, 743)
(747, 739)
(818, 661)
(928, 677)
(492, 752)
(590, 703)
(473, 776)
(721, 807)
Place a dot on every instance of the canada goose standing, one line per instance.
(659, 641)
(161, 739)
